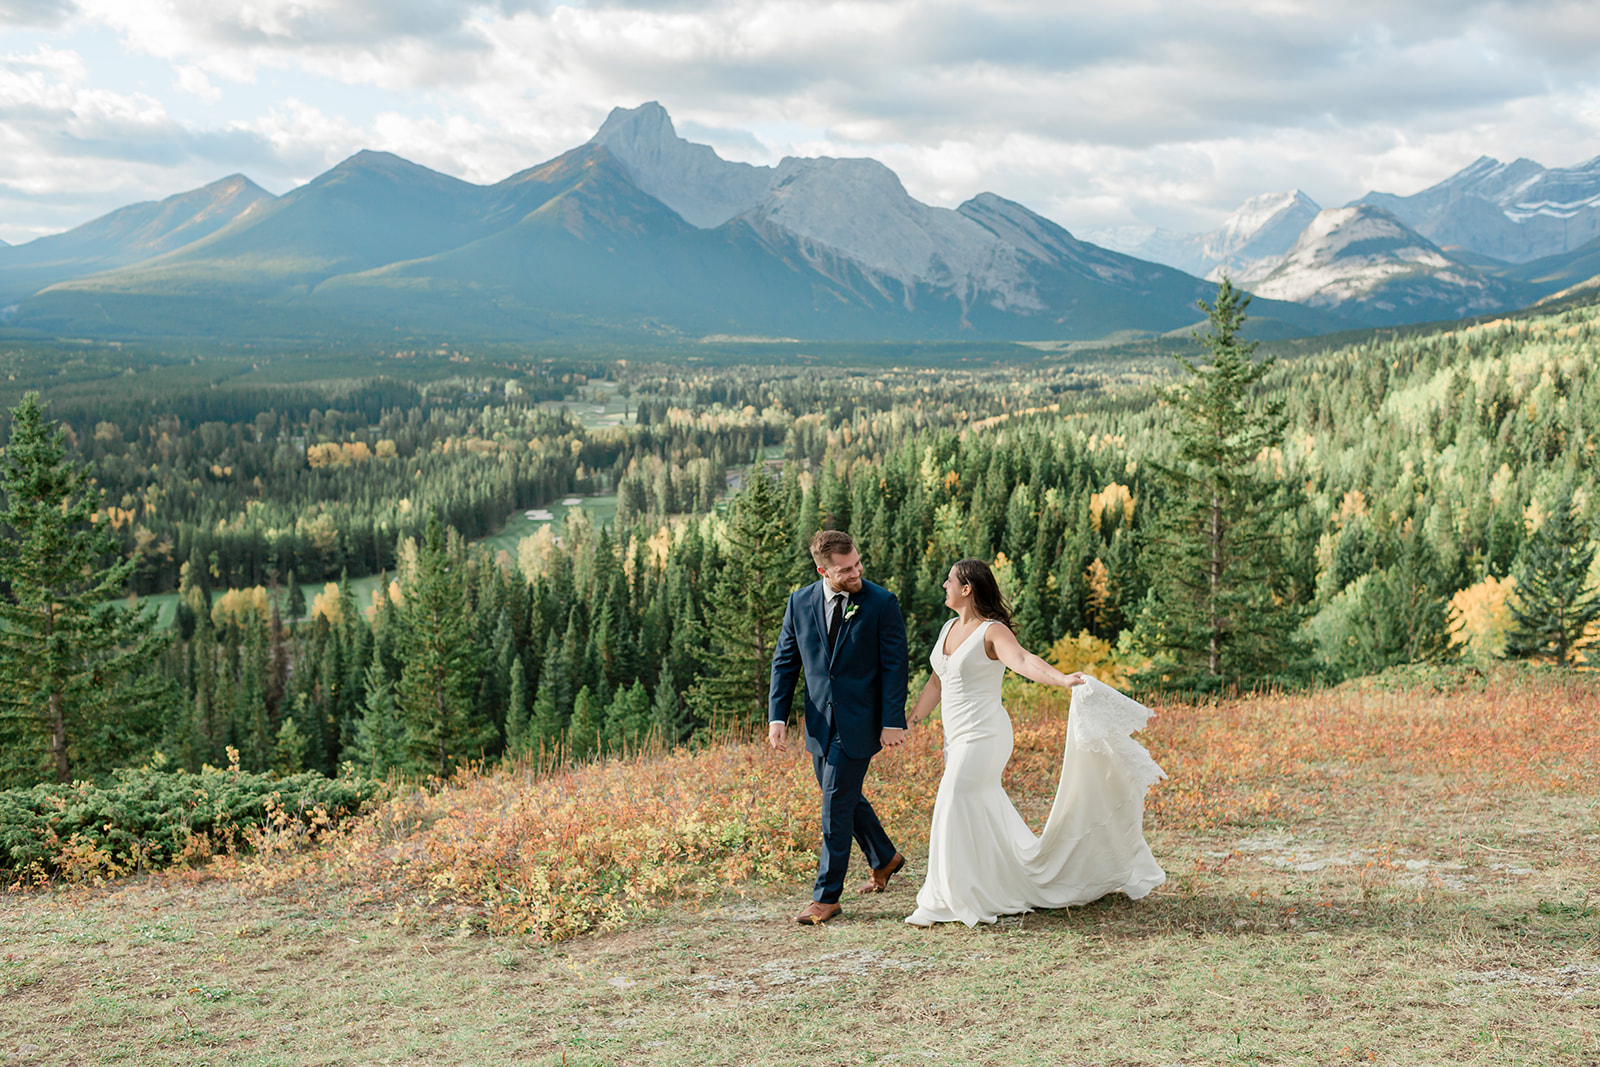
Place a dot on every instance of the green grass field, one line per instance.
(601, 509)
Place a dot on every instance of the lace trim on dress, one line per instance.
(1101, 719)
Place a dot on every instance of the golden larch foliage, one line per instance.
(1098, 578)
(328, 605)
(235, 604)
(1092, 655)
(1112, 496)
(1481, 617)
(1004, 575)
(535, 551)
(1352, 506)
(336, 454)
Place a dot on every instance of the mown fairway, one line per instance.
(1359, 876)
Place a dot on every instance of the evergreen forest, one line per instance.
(1231, 519)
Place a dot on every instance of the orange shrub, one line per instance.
(585, 847)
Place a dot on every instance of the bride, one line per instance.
(983, 861)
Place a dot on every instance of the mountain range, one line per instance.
(640, 234)
(1490, 237)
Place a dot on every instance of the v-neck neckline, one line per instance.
(964, 640)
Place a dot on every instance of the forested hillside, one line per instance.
(1414, 469)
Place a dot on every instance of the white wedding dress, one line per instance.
(983, 861)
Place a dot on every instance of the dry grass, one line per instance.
(1400, 877)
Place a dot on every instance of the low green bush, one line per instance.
(147, 818)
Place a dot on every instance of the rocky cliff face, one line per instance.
(691, 179)
(1365, 263)
(1516, 212)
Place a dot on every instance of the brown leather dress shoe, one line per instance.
(881, 875)
(816, 913)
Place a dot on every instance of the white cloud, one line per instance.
(1095, 114)
(34, 12)
(193, 80)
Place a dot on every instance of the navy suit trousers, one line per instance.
(846, 816)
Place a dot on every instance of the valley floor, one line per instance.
(1426, 924)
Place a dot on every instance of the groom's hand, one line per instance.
(892, 736)
(777, 734)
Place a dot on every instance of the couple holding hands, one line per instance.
(849, 639)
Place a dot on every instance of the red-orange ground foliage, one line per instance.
(585, 847)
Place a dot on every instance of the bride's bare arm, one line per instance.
(927, 700)
(1003, 646)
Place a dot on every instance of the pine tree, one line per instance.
(575, 646)
(494, 688)
(195, 736)
(1555, 604)
(628, 718)
(358, 637)
(587, 731)
(441, 665)
(666, 708)
(258, 741)
(548, 721)
(79, 692)
(517, 723)
(380, 735)
(1411, 614)
(295, 605)
(1218, 612)
(1396, 614)
(807, 522)
(745, 609)
(291, 741)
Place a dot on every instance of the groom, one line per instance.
(849, 637)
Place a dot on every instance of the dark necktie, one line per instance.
(835, 617)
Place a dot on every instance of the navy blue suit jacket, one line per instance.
(860, 689)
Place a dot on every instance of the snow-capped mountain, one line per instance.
(1255, 237)
(1246, 245)
(1367, 264)
(1516, 212)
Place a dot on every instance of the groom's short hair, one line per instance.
(825, 544)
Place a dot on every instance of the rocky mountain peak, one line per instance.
(1248, 245)
(691, 179)
(1268, 218)
(1347, 252)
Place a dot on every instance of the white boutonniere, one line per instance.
(850, 611)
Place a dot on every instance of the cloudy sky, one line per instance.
(1096, 114)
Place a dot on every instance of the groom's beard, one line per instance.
(849, 585)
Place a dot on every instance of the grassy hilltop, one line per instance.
(1395, 872)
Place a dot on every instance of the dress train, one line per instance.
(983, 861)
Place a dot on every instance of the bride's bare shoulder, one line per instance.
(996, 631)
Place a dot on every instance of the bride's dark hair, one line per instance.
(986, 596)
